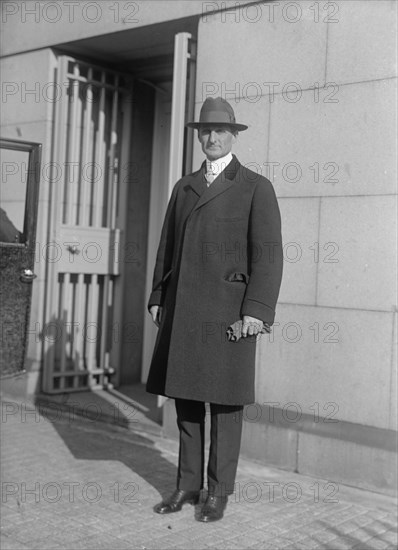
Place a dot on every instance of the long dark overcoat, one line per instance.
(219, 258)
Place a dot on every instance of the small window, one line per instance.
(19, 185)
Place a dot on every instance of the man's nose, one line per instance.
(213, 136)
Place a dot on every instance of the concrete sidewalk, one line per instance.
(75, 483)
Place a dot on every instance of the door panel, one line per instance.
(20, 180)
(89, 250)
(88, 214)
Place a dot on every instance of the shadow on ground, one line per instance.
(90, 426)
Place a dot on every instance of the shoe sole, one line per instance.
(193, 501)
(207, 519)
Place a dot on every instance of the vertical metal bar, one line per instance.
(64, 315)
(112, 173)
(104, 321)
(52, 323)
(85, 207)
(78, 168)
(178, 107)
(98, 194)
(92, 321)
(79, 327)
(57, 335)
(109, 329)
(71, 171)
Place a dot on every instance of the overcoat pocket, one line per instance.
(238, 277)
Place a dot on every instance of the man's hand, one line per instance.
(251, 326)
(156, 312)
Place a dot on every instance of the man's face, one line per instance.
(216, 140)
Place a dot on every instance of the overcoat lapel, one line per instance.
(197, 180)
(222, 183)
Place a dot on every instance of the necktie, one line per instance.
(210, 175)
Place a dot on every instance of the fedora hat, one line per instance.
(216, 111)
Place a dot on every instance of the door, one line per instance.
(20, 180)
(88, 215)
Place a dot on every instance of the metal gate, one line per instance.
(82, 330)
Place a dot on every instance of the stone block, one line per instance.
(362, 43)
(270, 445)
(343, 462)
(339, 143)
(329, 363)
(28, 87)
(357, 267)
(300, 227)
(264, 48)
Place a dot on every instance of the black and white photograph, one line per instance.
(198, 275)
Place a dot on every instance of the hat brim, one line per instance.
(198, 125)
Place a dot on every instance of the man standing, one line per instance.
(219, 264)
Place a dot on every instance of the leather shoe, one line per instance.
(176, 500)
(213, 508)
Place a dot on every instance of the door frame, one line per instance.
(174, 159)
(157, 208)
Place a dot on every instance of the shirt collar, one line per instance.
(218, 165)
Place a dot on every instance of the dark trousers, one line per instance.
(225, 438)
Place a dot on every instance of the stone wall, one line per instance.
(318, 91)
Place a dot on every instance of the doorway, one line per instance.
(170, 156)
(98, 332)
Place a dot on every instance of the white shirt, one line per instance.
(218, 165)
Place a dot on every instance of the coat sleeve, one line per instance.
(265, 254)
(164, 256)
